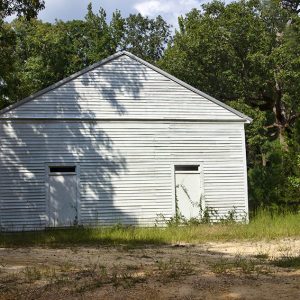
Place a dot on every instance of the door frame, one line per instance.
(47, 187)
(200, 172)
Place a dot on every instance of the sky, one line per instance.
(76, 9)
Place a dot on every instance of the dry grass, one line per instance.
(185, 271)
(263, 226)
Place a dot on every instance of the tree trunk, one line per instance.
(263, 159)
(280, 113)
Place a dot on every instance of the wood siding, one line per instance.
(123, 89)
(126, 167)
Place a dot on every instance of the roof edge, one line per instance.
(112, 57)
(191, 88)
(61, 82)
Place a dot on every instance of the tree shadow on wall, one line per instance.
(28, 147)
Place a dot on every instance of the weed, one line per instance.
(96, 275)
(241, 265)
(261, 256)
(103, 271)
(262, 253)
(174, 268)
(230, 218)
(176, 220)
(262, 226)
(32, 274)
(9, 283)
(287, 262)
(246, 266)
(88, 286)
(50, 274)
(10, 278)
(208, 215)
(91, 277)
(221, 266)
(65, 267)
(122, 278)
(132, 267)
(2, 264)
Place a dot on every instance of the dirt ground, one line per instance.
(233, 270)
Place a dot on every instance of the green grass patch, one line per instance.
(262, 256)
(287, 262)
(263, 226)
(241, 265)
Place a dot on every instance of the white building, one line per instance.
(119, 142)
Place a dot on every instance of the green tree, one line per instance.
(99, 33)
(145, 37)
(41, 56)
(8, 78)
(27, 8)
(7, 56)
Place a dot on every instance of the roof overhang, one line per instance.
(244, 118)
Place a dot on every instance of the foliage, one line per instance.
(287, 262)
(222, 51)
(145, 37)
(208, 215)
(7, 70)
(295, 180)
(27, 8)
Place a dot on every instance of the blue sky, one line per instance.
(76, 9)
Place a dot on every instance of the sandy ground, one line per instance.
(233, 270)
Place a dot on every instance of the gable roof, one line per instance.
(132, 56)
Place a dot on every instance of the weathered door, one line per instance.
(62, 199)
(188, 191)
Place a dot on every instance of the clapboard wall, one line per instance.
(126, 126)
(123, 89)
(125, 168)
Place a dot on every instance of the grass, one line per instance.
(262, 256)
(241, 265)
(78, 280)
(263, 226)
(287, 262)
(32, 274)
(174, 268)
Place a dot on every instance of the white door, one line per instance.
(62, 199)
(188, 193)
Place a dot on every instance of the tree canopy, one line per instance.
(27, 8)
